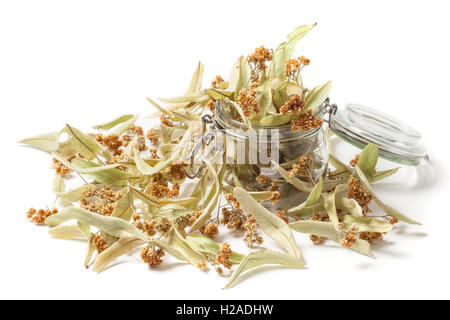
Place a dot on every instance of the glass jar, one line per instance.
(250, 153)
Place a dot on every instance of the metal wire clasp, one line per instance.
(331, 109)
(209, 143)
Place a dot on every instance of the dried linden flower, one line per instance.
(152, 256)
(210, 230)
(355, 191)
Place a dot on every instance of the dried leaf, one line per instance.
(317, 96)
(342, 203)
(160, 109)
(327, 230)
(84, 144)
(90, 250)
(67, 231)
(269, 223)
(209, 247)
(144, 197)
(180, 201)
(258, 259)
(285, 51)
(197, 79)
(258, 195)
(189, 98)
(111, 225)
(84, 168)
(111, 124)
(244, 76)
(366, 224)
(146, 169)
(105, 174)
(299, 184)
(76, 194)
(294, 89)
(368, 160)
(330, 206)
(177, 246)
(58, 184)
(303, 211)
(125, 126)
(85, 228)
(212, 198)
(264, 96)
(218, 94)
(380, 175)
(46, 142)
(315, 194)
(388, 209)
(349, 205)
(337, 163)
(276, 120)
(239, 110)
(119, 248)
(124, 207)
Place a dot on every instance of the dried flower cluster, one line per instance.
(100, 243)
(223, 258)
(306, 121)
(152, 256)
(158, 190)
(354, 161)
(101, 201)
(165, 120)
(233, 218)
(252, 236)
(293, 106)
(210, 230)
(355, 191)
(247, 101)
(303, 167)
(60, 168)
(294, 66)
(350, 237)
(112, 142)
(39, 216)
(152, 137)
(216, 82)
(257, 61)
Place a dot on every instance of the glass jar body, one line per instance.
(250, 154)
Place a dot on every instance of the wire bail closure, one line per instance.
(331, 109)
(210, 140)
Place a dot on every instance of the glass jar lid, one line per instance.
(360, 125)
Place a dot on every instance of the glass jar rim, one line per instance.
(223, 119)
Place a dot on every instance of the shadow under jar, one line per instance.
(249, 154)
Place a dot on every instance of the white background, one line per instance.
(85, 62)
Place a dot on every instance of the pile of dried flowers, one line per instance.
(132, 179)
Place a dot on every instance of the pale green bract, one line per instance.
(368, 159)
(84, 144)
(286, 49)
(327, 230)
(388, 209)
(111, 124)
(317, 96)
(269, 223)
(119, 248)
(114, 226)
(265, 258)
(46, 142)
(208, 246)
